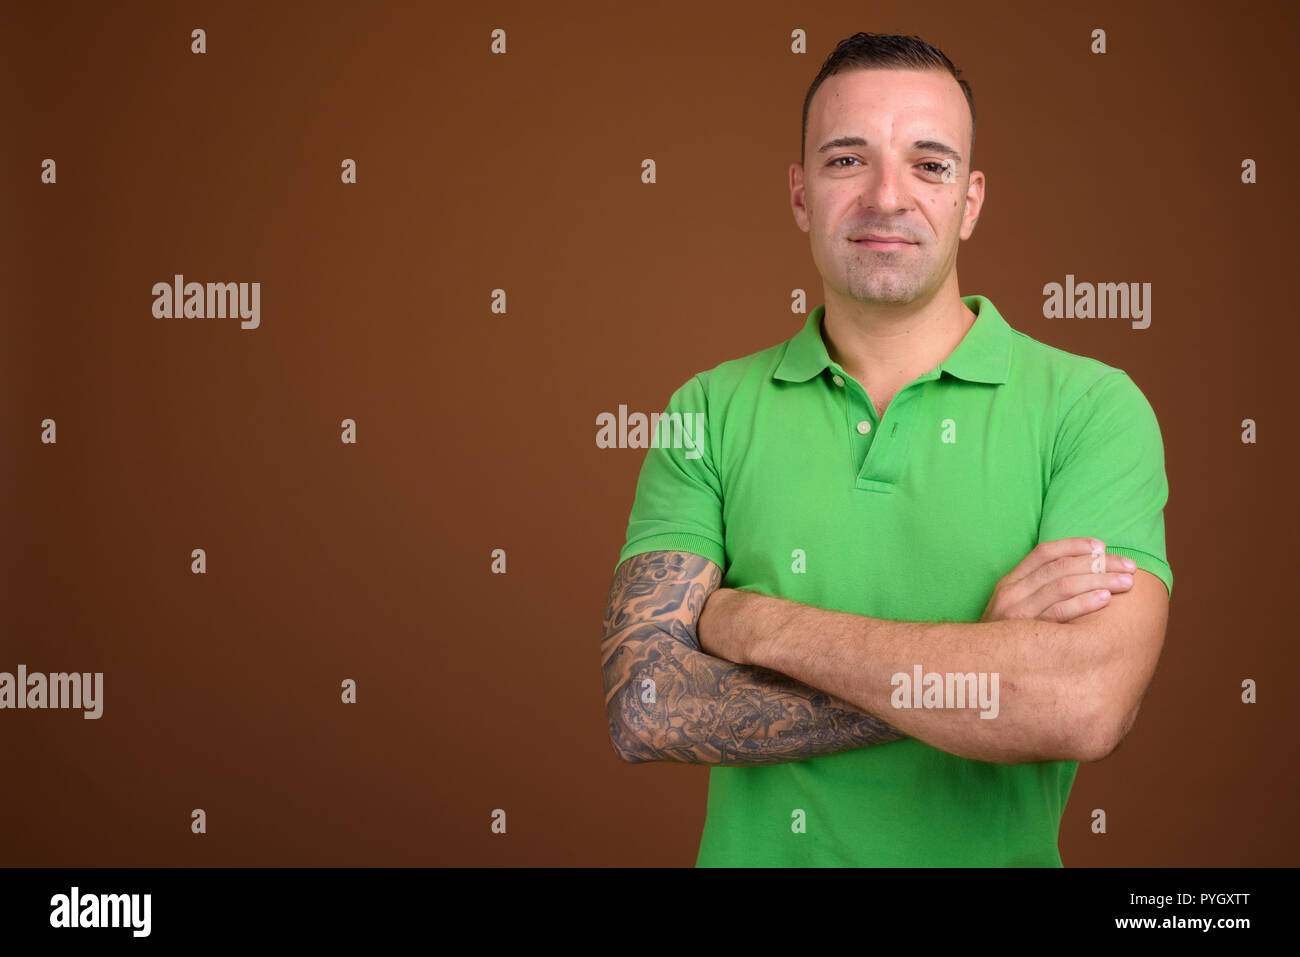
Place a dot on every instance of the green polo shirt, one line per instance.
(798, 490)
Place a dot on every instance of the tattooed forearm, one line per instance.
(669, 701)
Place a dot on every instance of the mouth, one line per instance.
(883, 242)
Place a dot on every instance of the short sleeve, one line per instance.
(1108, 476)
(678, 505)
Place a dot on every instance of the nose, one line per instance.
(882, 189)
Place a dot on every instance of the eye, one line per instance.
(939, 167)
(838, 158)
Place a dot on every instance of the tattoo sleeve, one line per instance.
(669, 701)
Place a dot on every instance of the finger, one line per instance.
(1045, 576)
(1046, 552)
(1120, 563)
(1072, 608)
(1114, 582)
(1094, 564)
(1071, 586)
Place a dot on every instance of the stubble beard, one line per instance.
(869, 282)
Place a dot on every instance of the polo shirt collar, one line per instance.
(983, 355)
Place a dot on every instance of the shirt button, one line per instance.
(838, 380)
(864, 427)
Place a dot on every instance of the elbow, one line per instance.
(1099, 732)
(626, 751)
(628, 728)
(627, 744)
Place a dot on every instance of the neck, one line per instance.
(888, 345)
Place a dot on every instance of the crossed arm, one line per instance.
(1067, 691)
(669, 701)
(1070, 690)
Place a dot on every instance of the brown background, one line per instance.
(476, 431)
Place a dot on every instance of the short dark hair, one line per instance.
(888, 51)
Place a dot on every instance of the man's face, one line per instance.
(876, 163)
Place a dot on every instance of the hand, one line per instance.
(1059, 581)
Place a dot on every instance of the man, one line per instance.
(941, 541)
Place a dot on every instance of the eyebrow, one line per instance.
(926, 146)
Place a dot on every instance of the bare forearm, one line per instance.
(1044, 692)
(679, 704)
